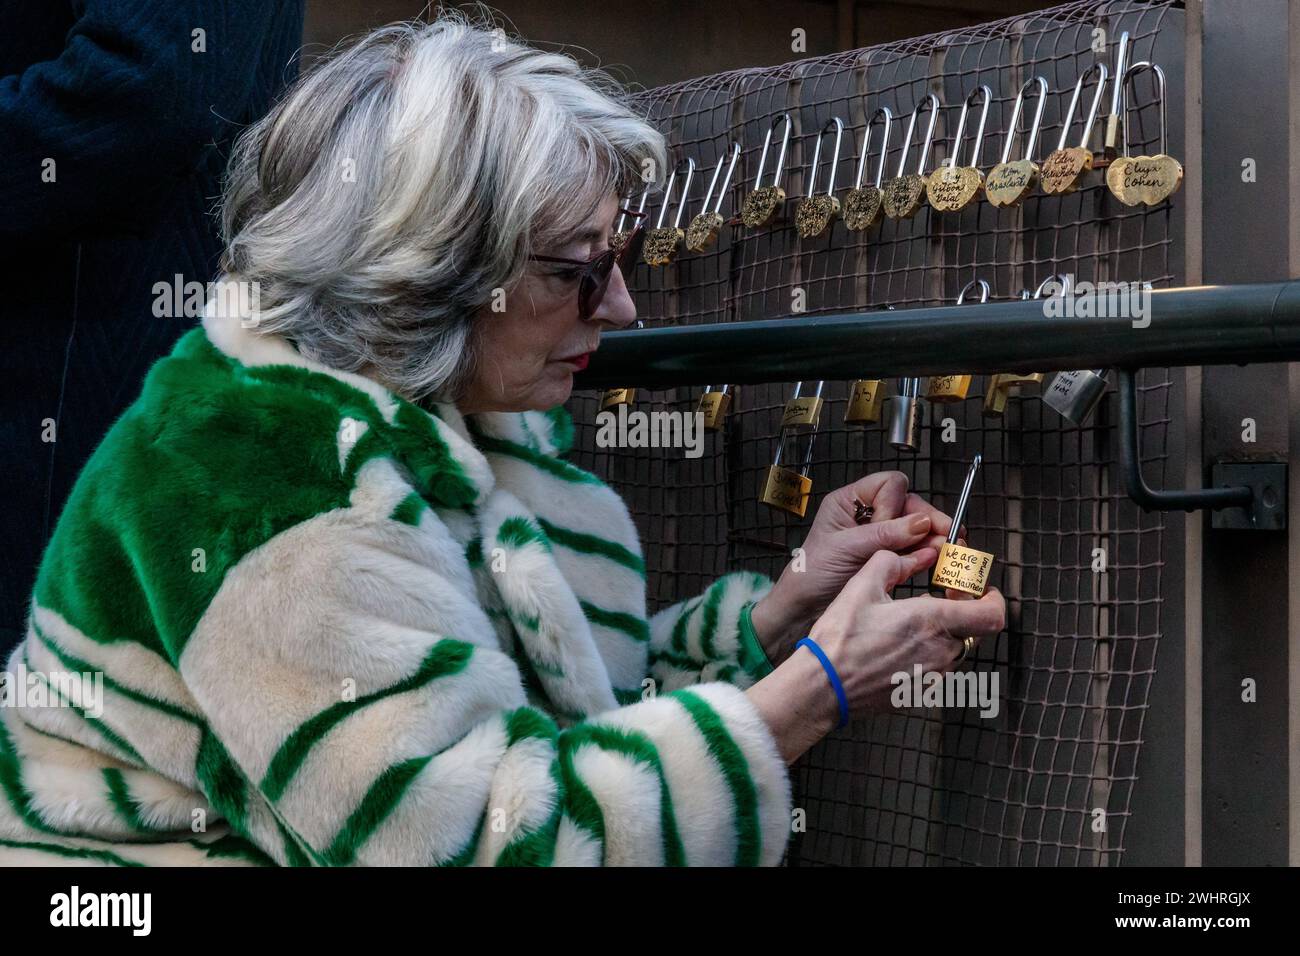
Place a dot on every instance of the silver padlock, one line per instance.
(1074, 395)
(907, 416)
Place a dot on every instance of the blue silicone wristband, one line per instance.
(833, 677)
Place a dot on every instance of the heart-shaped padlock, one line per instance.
(1066, 165)
(661, 242)
(704, 228)
(1144, 180)
(951, 187)
(762, 203)
(815, 212)
(862, 205)
(902, 196)
(1010, 181)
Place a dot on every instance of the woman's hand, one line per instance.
(868, 638)
(836, 549)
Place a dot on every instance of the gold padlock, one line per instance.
(953, 388)
(703, 230)
(802, 411)
(1010, 181)
(816, 213)
(763, 202)
(866, 397)
(713, 406)
(958, 567)
(661, 242)
(1144, 180)
(951, 188)
(862, 205)
(904, 194)
(995, 399)
(613, 397)
(1065, 166)
(786, 489)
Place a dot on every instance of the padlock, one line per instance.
(1010, 181)
(1075, 395)
(786, 488)
(995, 399)
(703, 230)
(803, 411)
(613, 397)
(713, 407)
(1065, 166)
(763, 202)
(953, 388)
(959, 567)
(1144, 180)
(902, 196)
(951, 188)
(862, 205)
(816, 213)
(866, 396)
(621, 234)
(907, 416)
(661, 242)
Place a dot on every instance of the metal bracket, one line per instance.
(1241, 496)
(1267, 482)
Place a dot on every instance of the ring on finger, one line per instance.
(968, 646)
(862, 513)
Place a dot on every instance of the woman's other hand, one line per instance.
(836, 549)
(869, 637)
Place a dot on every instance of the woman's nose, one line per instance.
(616, 309)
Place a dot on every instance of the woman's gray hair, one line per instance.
(398, 184)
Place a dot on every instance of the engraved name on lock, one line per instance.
(786, 489)
(617, 396)
(962, 569)
(801, 412)
(713, 407)
(865, 401)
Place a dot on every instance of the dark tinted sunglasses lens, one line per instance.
(631, 253)
(594, 284)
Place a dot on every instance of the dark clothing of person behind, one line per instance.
(116, 117)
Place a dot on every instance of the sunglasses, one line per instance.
(596, 272)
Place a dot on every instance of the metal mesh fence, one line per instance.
(1049, 780)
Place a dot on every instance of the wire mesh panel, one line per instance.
(1049, 780)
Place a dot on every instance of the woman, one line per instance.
(350, 603)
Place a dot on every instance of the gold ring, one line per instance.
(968, 646)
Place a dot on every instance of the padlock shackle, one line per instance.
(1067, 284)
(931, 101)
(951, 161)
(1160, 87)
(717, 206)
(668, 194)
(1041, 84)
(681, 199)
(1116, 92)
(618, 227)
(838, 124)
(963, 500)
(974, 283)
(1100, 69)
(866, 148)
(780, 159)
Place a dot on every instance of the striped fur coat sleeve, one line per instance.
(337, 628)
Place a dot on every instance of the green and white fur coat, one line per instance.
(335, 627)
